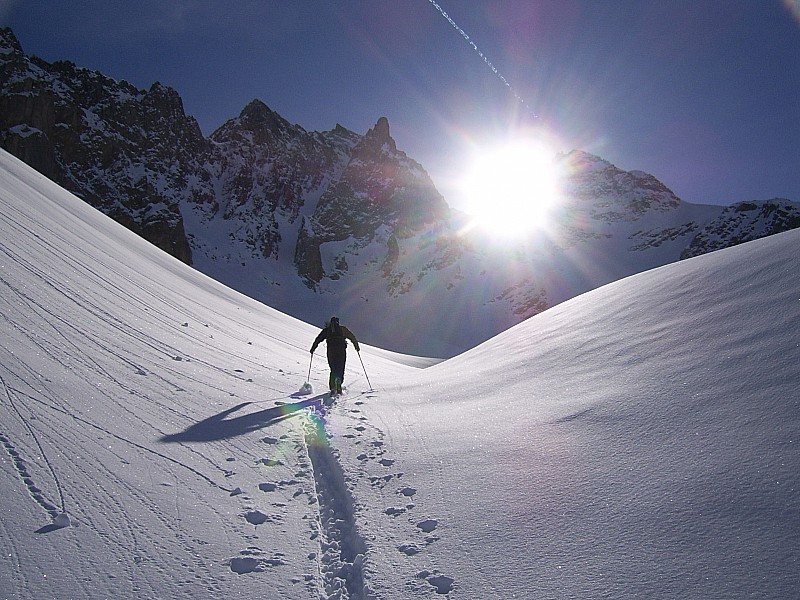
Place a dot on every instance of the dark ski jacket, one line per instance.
(336, 337)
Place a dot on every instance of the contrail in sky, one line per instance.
(481, 54)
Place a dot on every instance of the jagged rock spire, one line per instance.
(9, 42)
(379, 135)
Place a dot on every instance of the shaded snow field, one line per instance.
(158, 441)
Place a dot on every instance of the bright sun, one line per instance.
(511, 189)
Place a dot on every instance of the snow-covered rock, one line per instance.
(744, 222)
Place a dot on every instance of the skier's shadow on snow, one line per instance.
(221, 427)
(49, 528)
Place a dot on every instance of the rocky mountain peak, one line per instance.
(9, 44)
(580, 161)
(608, 192)
(744, 222)
(255, 110)
(258, 125)
(258, 116)
(165, 96)
(381, 130)
(379, 136)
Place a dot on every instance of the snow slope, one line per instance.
(639, 441)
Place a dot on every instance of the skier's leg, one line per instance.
(337, 359)
(341, 374)
(332, 382)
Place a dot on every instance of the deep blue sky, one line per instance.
(705, 95)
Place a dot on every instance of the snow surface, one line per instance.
(158, 439)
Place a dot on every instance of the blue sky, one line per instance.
(705, 95)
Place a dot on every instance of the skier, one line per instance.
(336, 336)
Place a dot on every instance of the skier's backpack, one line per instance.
(335, 334)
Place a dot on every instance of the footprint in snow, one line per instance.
(428, 525)
(244, 564)
(442, 583)
(256, 517)
(409, 549)
(253, 560)
(393, 511)
(380, 481)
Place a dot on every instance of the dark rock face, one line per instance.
(139, 158)
(380, 186)
(125, 151)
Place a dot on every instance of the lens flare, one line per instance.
(794, 8)
(512, 188)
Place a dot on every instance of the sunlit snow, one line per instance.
(160, 438)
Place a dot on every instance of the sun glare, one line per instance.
(511, 189)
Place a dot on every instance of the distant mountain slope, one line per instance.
(335, 222)
(744, 222)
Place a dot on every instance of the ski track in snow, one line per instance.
(338, 523)
(349, 533)
(122, 534)
(342, 549)
(142, 375)
(342, 562)
(21, 466)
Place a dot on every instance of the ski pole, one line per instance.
(365, 370)
(309, 367)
